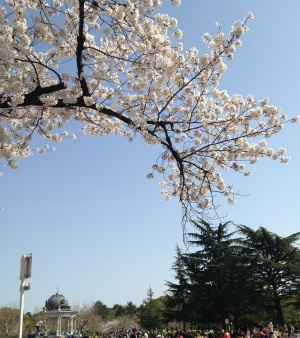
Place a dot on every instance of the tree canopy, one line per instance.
(118, 67)
(244, 278)
(150, 313)
(275, 263)
(9, 322)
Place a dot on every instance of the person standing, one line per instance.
(134, 334)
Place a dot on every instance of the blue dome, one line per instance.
(57, 301)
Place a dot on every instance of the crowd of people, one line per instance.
(257, 331)
(270, 331)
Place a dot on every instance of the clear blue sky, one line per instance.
(98, 229)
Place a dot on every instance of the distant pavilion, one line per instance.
(58, 307)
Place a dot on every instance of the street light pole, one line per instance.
(25, 272)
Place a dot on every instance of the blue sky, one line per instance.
(98, 229)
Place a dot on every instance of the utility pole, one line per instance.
(25, 272)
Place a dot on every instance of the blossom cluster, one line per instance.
(118, 67)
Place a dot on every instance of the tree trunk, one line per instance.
(278, 308)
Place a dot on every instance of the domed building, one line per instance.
(57, 302)
(57, 306)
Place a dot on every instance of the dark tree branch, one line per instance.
(32, 98)
(80, 48)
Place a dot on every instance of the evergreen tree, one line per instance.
(119, 310)
(210, 270)
(151, 313)
(101, 309)
(130, 309)
(177, 296)
(275, 265)
(242, 279)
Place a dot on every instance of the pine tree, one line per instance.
(150, 313)
(177, 296)
(275, 265)
(210, 270)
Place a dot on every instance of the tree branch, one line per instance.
(79, 50)
(32, 98)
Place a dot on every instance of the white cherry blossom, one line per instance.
(115, 68)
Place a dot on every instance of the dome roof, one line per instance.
(57, 301)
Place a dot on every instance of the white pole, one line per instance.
(25, 272)
(21, 307)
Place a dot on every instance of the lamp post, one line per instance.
(25, 272)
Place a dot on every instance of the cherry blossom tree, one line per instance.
(118, 67)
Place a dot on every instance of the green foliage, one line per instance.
(130, 309)
(177, 296)
(119, 310)
(124, 310)
(275, 264)
(210, 271)
(28, 324)
(101, 309)
(150, 313)
(245, 279)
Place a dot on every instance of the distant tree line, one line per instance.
(117, 310)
